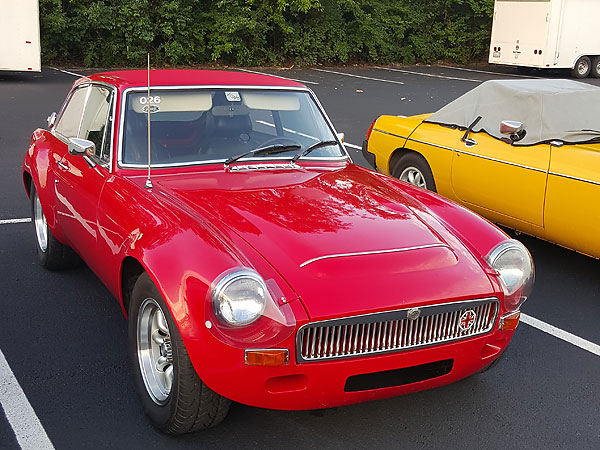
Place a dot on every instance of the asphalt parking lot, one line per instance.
(64, 337)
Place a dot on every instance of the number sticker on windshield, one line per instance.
(233, 96)
(153, 109)
(145, 100)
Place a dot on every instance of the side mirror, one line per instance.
(51, 119)
(79, 146)
(341, 137)
(512, 129)
(509, 127)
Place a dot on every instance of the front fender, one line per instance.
(183, 253)
(38, 164)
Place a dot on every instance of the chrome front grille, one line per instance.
(394, 331)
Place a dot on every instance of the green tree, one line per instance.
(255, 32)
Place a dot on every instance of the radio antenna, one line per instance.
(148, 184)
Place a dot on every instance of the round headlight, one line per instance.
(239, 298)
(513, 263)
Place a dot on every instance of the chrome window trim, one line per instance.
(121, 165)
(87, 83)
(372, 252)
(571, 177)
(59, 135)
(398, 314)
(329, 122)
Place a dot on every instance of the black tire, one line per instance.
(190, 405)
(595, 71)
(52, 254)
(414, 161)
(582, 68)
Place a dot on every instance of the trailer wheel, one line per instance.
(596, 67)
(582, 68)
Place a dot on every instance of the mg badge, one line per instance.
(413, 313)
(467, 320)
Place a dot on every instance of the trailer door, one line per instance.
(520, 32)
(20, 35)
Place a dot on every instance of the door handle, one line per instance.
(470, 142)
(62, 165)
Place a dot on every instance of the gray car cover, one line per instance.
(563, 110)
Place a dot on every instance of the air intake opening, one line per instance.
(398, 377)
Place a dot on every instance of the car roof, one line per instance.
(170, 77)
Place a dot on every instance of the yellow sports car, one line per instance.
(523, 153)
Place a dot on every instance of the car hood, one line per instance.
(346, 241)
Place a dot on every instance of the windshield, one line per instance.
(190, 126)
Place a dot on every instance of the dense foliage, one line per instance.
(258, 32)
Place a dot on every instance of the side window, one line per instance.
(94, 123)
(70, 119)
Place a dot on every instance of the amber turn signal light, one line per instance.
(510, 321)
(269, 358)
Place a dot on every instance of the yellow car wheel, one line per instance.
(413, 169)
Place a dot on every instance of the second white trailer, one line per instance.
(20, 35)
(560, 34)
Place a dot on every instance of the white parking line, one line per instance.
(28, 430)
(270, 74)
(359, 76)
(488, 72)
(561, 334)
(358, 147)
(428, 74)
(67, 72)
(7, 221)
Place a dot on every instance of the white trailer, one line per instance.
(20, 35)
(558, 34)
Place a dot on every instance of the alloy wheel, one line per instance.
(413, 176)
(41, 226)
(155, 354)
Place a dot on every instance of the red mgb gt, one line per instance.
(255, 262)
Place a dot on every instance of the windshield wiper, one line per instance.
(269, 150)
(470, 128)
(306, 151)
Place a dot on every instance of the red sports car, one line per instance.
(254, 261)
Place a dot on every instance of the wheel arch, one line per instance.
(578, 57)
(399, 153)
(131, 270)
(27, 180)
